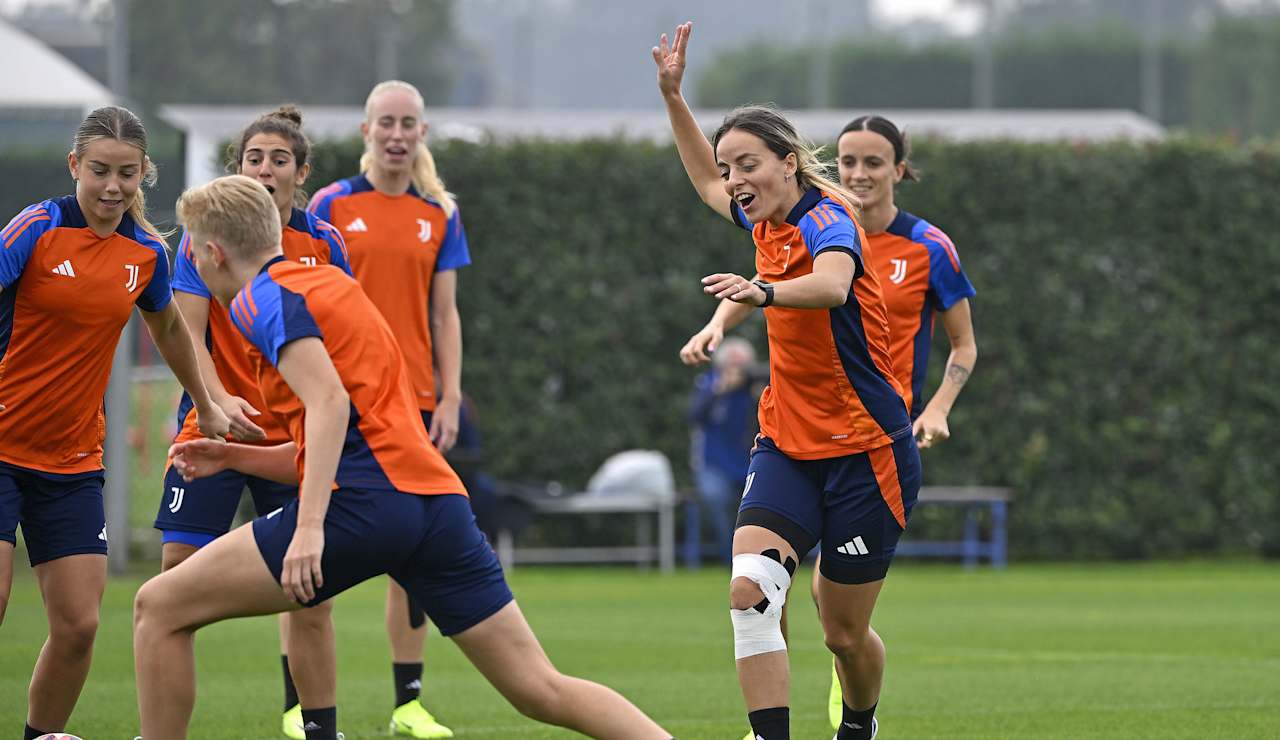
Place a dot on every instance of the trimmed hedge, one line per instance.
(1125, 384)
(1126, 318)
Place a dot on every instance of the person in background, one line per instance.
(723, 415)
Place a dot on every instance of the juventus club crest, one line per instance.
(899, 271)
(424, 230)
(131, 282)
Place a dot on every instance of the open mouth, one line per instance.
(109, 203)
(397, 151)
(745, 200)
(270, 188)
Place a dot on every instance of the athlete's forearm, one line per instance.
(446, 345)
(325, 428)
(195, 315)
(169, 333)
(695, 152)
(959, 366)
(815, 290)
(728, 315)
(276, 462)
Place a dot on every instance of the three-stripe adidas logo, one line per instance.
(357, 225)
(854, 546)
(64, 269)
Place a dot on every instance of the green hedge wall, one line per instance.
(1126, 318)
(1127, 307)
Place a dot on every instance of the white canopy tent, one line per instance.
(37, 77)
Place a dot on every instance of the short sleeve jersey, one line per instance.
(65, 295)
(920, 272)
(831, 389)
(386, 446)
(306, 239)
(397, 245)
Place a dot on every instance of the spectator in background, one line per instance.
(723, 414)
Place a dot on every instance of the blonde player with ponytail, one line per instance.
(406, 241)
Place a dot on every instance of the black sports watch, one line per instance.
(768, 292)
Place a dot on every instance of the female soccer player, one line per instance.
(835, 461)
(330, 366)
(406, 241)
(71, 271)
(274, 151)
(920, 276)
(919, 271)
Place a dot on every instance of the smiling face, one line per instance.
(269, 159)
(107, 175)
(757, 180)
(867, 168)
(393, 129)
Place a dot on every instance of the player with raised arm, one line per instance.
(835, 462)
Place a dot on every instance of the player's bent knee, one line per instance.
(757, 625)
(540, 698)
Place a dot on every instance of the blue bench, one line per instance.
(971, 547)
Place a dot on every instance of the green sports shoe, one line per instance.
(835, 699)
(749, 736)
(413, 719)
(291, 724)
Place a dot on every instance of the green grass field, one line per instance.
(1097, 651)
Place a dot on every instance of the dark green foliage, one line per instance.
(1126, 320)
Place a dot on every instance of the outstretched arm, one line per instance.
(195, 312)
(169, 333)
(695, 151)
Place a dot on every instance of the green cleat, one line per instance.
(413, 719)
(835, 699)
(291, 724)
(749, 736)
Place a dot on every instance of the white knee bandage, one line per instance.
(755, 633)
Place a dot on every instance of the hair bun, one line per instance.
(289, 112)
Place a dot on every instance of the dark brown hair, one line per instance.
(897, 138)
(286, 122)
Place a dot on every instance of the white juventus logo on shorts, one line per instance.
(131, 284)
(854, 546)
(899, 271)
(178, 495)
(751, 478)
(424, 230)
(308, 260)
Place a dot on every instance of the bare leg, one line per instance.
(72, 591)
(6, 575)
(407, 643)
(506, 651)
(173, 553)
(845, 612)
(226, 578)
(765, 678)
(310, 643)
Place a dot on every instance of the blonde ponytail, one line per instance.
(424, 177)
(120, 124)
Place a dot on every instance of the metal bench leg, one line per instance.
(667, 537)
(971, 542)
(999, 543)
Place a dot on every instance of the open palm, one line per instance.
(671, 59)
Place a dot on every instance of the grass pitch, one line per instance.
(1097, 651)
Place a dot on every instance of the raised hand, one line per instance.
(199, 458)
(671, 59)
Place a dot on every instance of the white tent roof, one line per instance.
(206, 126)
(36, 76)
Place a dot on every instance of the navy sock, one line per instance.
(31, 733)
(408, 682)
(290, 691)
(320, 724)
(771, 724)
(856, 723)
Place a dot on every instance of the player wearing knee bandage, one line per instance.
(758, 629)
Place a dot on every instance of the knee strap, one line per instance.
(758, 629)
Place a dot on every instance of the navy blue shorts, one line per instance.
(195, 513)
(429, 544)
(857, 505)
(61, 514)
